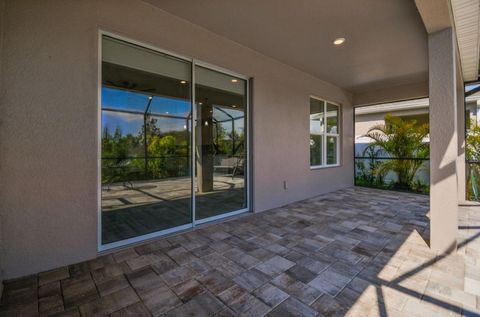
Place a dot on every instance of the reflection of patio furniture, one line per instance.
(122, 172)
(239, 167)
(229, 165)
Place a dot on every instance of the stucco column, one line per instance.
(443, 140)
(461, 165)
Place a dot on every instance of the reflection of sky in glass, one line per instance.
(132, 101)
(171, 124)
(133, 123)
(123, 100)
(226, 118)
(174, 107)
(128, 123)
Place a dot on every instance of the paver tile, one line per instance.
(53, 275)
(293, 307)
(110, 303)
(251, 279)
(135, 310)
(271, 295)
(203, 305)
(355, 252)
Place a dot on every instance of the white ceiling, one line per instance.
(386, 39)
(467, 22)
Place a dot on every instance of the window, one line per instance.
(324, 133)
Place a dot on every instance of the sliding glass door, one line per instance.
(146, 136)
(220, 149)
(161, 171)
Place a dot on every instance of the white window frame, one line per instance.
(325, 134)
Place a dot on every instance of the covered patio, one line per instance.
(355, 252)
(133, 131)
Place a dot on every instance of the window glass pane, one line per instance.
(332, 144)
(121, 135)
(317, 109)
(121, 99)
(220, 143)
(332, 118)
(146, 106)
(167, 145)
(139, 62)
(316, 146)
(317, 123)
(170, 106)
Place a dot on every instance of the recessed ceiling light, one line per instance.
(339, 41)
(183, 82)
(234, 80)
(234, 106)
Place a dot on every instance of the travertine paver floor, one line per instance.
(355, 252)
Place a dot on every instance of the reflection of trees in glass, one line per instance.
(167, 151)
(315, 149)
(168, 155)
(402, 139)
(124, 155)
(228, 143)
(118, 146)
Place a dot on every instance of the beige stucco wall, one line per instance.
(461, 166)
(49, 134)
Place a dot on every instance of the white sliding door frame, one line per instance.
(194, 222)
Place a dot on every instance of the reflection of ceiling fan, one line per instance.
(129, 86)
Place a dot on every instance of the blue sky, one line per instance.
(132, 123)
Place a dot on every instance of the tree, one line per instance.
(473, 157)
(162, 153)
(371, 173)
(473, 143)
(403, 141)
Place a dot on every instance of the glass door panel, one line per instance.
(221, 148)
(145, 141)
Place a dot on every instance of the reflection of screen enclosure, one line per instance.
(220, 138)
(146, 142)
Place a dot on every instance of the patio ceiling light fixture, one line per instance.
(234, 80)
(339, 41)
(183, 82)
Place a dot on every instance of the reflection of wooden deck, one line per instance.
(151, 206)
